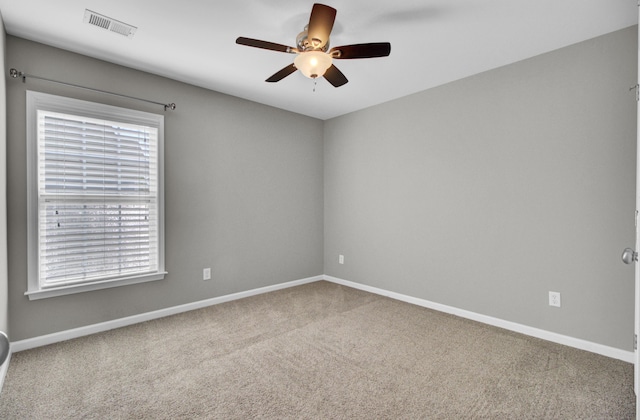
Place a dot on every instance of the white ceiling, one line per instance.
(432, 41)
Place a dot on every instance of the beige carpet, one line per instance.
(315, 351)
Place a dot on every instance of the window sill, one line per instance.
(87, 287)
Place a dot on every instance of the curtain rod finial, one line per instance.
(15, 74)
(170, 106)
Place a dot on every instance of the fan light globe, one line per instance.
(313, 64)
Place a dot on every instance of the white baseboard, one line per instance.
(57, 337)
(4, 368)
(627, 356)
(44, 340)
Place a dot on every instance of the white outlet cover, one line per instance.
(554, 299)
(206, 274)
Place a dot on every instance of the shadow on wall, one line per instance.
(4, 347)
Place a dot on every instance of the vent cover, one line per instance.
(105, 22)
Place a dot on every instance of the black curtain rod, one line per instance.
(15, 74)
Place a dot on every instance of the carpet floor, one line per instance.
(319, 350)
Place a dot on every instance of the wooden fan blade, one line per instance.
(371, 50)
(320, 25)
(282, 74)
(335, 76)
(265, 45)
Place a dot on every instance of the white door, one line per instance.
(636, 376)
(629, 256)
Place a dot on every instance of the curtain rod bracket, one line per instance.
(15, 74)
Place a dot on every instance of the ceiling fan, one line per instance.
(314, 59)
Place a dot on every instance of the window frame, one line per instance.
(46, 102)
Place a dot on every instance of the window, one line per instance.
(95, 199)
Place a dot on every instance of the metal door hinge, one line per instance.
(635, 341)
(636, 89)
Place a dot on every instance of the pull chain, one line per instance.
(315, 83)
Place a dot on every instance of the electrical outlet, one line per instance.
(206, 274)
(340, 259)
(554, 299)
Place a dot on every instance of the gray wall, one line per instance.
(483, 194)
(243, 192)
(4, 304)
(489, 192)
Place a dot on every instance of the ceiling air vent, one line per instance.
(105, 22)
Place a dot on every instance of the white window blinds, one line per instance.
(97, 198)
(98, 201)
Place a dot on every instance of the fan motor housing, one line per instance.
(304, 44)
